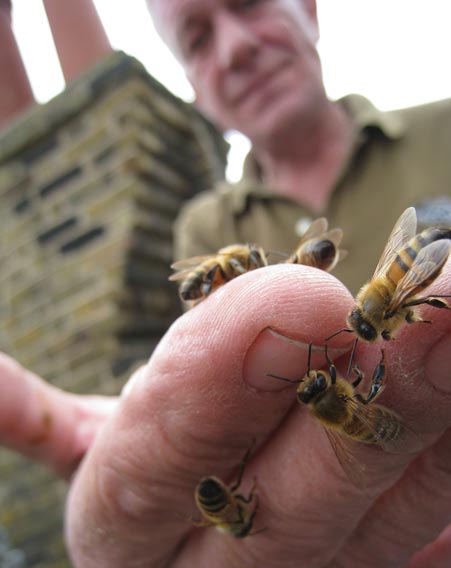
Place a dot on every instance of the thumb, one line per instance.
(194, 409)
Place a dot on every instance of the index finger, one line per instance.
(45, 423)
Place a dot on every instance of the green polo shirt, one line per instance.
(400, 158)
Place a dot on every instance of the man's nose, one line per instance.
(237, 43)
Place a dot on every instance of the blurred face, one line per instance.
(253, 63)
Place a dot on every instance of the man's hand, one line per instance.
(205, 394)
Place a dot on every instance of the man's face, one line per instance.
(253, 64)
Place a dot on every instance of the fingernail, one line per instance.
(277, 354)
(438, 364)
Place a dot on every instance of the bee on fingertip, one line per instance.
(319, 247)
(408, 265)
(202, 275)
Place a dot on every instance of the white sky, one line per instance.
(395, 52)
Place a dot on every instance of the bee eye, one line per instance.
(363, 328)
(304, 396)
(367, 331)
(312, 389)
(321, 382)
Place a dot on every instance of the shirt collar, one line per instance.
(365, 116)
(367, 119)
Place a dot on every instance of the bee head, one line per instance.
(361, 326)
(315, 384)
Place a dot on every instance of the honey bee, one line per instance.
(202, 275)
(343, 411)
(408, 265)
(319, 247)
(223, 507)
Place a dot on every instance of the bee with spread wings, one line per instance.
(409, 263)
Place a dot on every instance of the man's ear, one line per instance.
(311, 11)
(197, 102)
(310, 8)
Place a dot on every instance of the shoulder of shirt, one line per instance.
(397, 122)
(210, 205)
(429, 115)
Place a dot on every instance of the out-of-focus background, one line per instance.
(395, 52)
(100, 146)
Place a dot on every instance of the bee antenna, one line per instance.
(277, 253)
(309, 357)
(329, 362)
(293, 381)
(343, 329)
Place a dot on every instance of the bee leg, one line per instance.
(332, 368)
(207, 284)
(251, 495)
(377, 383)
(199, 523)
(359, 376)
(247, 527)
(245, 459)
(411, 317)
(210, 278)
(254, 512)
(193, 521)
(251, 519)
(434, 301)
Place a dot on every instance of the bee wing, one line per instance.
(353, 469)
(404, 229)
(334, 236)
(342, 254)
(185, 266)
(181, 275)
(406, 440)
(428, 261)
(315, 229)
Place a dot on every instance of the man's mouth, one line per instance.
(256, 85)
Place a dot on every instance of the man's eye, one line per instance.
(247, 4)
(198, 41)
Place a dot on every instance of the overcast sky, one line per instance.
(395, 52)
